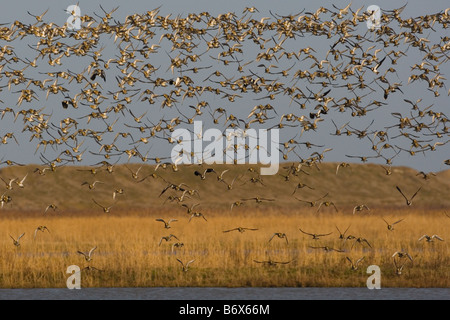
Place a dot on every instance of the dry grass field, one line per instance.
(129, 253)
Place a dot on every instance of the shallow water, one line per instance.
(227, 294)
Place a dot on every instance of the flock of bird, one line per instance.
(231, 72)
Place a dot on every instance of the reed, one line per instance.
(128, 253)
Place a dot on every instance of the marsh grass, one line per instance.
(128, 252)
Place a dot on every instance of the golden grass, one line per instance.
(127, 239)
(129, 256)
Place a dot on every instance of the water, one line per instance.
(227, 294)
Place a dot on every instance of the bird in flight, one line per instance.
(430, 238)
(315, 236)
(354, 265)
(91, 185)
(177, 245)
(167, 224)
(50, 206)
(197, 215)
(16, 242)
(360, 208)
(40, 228)
(390, 226)
(280, 235)
(240, 229)
(342, 165)
(398, 267)
(203, 175)
(312, 203)
(87, 255)
(185, 266)
(327, 249)
(271, 262)
(327, 204)
(408, 200)
(342, 234)
(167, 238)
(20, 183)
(361, 240)
(105, 209)
(401, 255)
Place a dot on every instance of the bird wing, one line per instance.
(283, 262)
(97, 203)
(165, 189)
(416, 193)
(320, 205)
(334, 206)
(92, 250)
(189, 262)
(437, 237)
(322, 235)
(322, 197)
(4, 181)
(21, 181)
(310, 234)
(365, 240)
(347, 229)
(401, 192)
(223, 172)
(84, 254)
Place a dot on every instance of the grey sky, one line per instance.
(342, 146)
